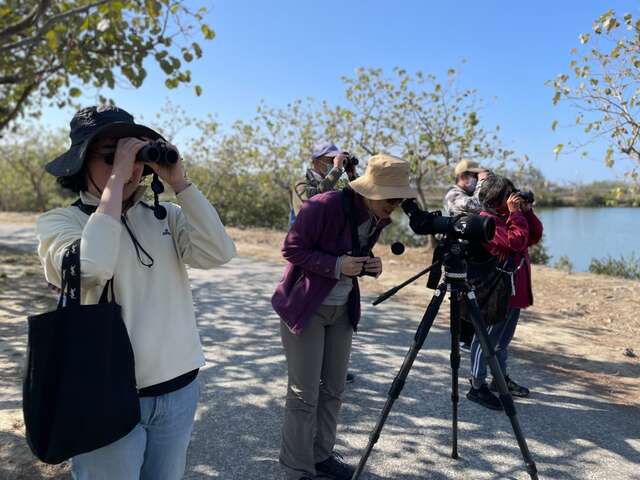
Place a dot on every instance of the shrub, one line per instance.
(564, 264)
(538, 253)
(625, 267)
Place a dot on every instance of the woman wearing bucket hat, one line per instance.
(124, 239)
(327, 248)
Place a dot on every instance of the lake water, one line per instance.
(585, 233)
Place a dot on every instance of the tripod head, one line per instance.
(450, 252)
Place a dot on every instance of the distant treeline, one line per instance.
(548, 194)
(596, 194)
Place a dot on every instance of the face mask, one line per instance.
(470, 184)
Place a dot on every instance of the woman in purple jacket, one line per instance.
(328, 247)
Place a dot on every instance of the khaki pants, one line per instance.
(317, 361)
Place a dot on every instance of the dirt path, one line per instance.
(582, 421)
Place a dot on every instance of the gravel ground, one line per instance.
(572, 434)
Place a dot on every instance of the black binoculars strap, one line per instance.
(90, 209)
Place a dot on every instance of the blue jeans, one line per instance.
(500, 336)
(156, 449)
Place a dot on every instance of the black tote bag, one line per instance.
(79, 390)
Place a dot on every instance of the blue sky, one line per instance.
(283, 50)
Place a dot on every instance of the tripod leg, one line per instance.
(398, 382)
(505, 397)
(455, 367)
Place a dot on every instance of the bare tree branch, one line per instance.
(6, 119)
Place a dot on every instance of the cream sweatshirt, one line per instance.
(157, 306)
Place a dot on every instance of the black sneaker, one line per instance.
(350, 377)
(484, 397)
(335, 467)
(515, 389)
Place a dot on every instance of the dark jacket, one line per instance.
(319, 235)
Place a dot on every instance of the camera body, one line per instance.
(527, 196)
(363, 252)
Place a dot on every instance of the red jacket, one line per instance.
(515, 233)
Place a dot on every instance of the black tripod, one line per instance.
(452, 256)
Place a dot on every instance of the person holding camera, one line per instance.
(517, 228)
(145, 250)
(318, 300)
(462, 199)
(328, 163)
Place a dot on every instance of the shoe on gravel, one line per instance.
(484, 397)
(335, 467)
(515, 389)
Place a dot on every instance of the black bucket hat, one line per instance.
(88, 124)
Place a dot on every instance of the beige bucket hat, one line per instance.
(386, 177)
(467, 165)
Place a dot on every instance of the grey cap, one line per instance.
(325, 149)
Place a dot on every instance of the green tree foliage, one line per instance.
(429, 121)
(249, 169)
(226, 166)
(26, 187)
(603, 84)
(49, 49)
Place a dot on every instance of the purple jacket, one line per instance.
(319, 235)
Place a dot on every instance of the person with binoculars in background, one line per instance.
(517, 229)
(144, 249)
(328, 163)
(318, 300)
